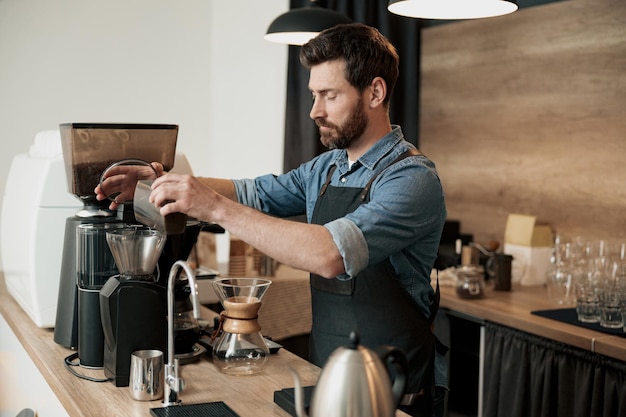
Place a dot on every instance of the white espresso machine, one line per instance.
(35, 204)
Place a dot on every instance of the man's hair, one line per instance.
(367, 54)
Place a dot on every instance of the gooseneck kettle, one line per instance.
(355, 382)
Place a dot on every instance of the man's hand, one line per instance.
(185, 194)
(120, 182)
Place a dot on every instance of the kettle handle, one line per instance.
(394, 358)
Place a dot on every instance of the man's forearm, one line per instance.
(308, 247)
(223, 186)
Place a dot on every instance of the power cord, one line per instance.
(69, 363)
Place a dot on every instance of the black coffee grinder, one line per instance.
(88, 149)
(132, 304)
(95, 266)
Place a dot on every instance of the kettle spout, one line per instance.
(299, 394)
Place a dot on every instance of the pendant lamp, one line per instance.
(451, 9)
(298, 26)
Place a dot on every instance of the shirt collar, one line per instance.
(381, 148)
(374, 154)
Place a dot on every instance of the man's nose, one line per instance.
(317, 110)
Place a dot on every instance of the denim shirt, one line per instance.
(402, 221)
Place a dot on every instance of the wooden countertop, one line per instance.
(248, 396)
(513, 309)
(253, 396)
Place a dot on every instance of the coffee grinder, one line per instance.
(132, 304)
(88, 149)
(95, 265)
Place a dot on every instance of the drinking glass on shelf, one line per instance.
(619, 276)
(610, 288)
(593, 274)
(567, 264)
(558, 248)
(587, 304)
(560, 285)
(610, 306)
(586, 287)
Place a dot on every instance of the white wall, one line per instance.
(201, 64)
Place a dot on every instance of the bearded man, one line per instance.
(374, 206)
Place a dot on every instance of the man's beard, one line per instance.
(341, 137)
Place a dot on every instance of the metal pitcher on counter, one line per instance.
(360, 375)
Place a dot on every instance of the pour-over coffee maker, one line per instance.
(240, 349)
(132, 304)
(88, 149)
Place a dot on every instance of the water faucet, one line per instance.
(173, 383)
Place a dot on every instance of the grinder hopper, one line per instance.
(89, 148)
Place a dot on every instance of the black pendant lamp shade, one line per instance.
(452, 9)
(298, 26)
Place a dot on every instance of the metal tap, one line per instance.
(173, 383)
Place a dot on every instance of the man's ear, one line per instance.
(378, 92)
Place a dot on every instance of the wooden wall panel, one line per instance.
(526, 113)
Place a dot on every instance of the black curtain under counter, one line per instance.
(529, 365)
(528, 375)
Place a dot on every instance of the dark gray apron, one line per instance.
(373, 303)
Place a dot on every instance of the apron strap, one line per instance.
(331, 171)
(366, 190)
(330, 175)
(434, 306)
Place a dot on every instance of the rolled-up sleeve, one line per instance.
(351, 244)
(246, 193)
(401, 222)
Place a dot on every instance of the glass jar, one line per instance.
(471, 281)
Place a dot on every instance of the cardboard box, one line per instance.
(531, 246)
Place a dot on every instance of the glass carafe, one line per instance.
(240, 348)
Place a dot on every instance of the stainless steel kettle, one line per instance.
(355, 382)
